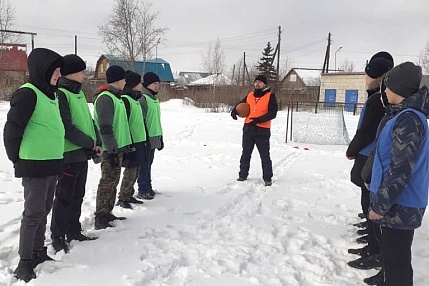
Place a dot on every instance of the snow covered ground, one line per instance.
(208, 229)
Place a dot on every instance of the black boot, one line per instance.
(377, 279)
(124, 204)
(59, 243)
(362, 239)
(145, 196)
(362, 231)
(111, 217)
(79, 237)
(133, 200)
(359, 251)
(24, 271)
(366, 262)
(40, 256)
(101, 222)
(363, 224)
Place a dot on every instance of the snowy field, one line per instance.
(208, 229)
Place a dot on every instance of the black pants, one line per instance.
(396, 254)
(144, 180)
(374, 237)
(262, 142)
(69, 195)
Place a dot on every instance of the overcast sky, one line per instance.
(361, 28)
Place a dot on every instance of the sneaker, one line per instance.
(362, 215)
(124, 204)
(79, 237)
(362, 231)
(363, 224)
(152, 192)
(111, 217)
(240, 179)
(101, 222)
(359, 251)
(366, 262)
(24, 271)
(40, 256)
(377, 279)
(59, 243)
(145, 196)
(362, 239)
(268, 183)
(133, 200)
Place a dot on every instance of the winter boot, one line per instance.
(362, 231)
(111, 217)
(268, 183)
(366, 262)
(124, 204)
(377, 279)
(24, 271)
(145, 196)
(79, 237)
(362, 215)
(101, 222)
(133, 200)
(359, 251)
(363, 224)
(40, 256)
(362, 239)
(240, 179)
(152, 192)
(59, 243)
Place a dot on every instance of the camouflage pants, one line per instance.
(127, 185)
(106, 192)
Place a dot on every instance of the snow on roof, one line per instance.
(310, 77)
(219, 79)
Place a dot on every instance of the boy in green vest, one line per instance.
(130, 97)
(34, 142)
(81, 142)
(152, 117)
(111, 119)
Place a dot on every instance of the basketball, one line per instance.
(243, 109)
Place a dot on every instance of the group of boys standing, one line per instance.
(50, 135)
(391, 166)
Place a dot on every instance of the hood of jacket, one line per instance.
(70, 85)
(149, 92)
(418, 101)
(259, 93)
(134, 94)
(41, 65)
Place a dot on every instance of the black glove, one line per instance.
(255, 120)
(162, 144)
(234, 113)
(113, 160)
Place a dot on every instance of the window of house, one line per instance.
(292, 77)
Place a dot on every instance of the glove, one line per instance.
(162, 144)
(113, 160)
(234, 113)
(255, 121)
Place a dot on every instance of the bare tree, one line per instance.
(237, 73)
(347, 66)
(424, 58)
(130, 32)
(7, 19)
(285, 68)
(214, 59)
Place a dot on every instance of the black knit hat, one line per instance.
(149, 78)
(384, 55)
(72, 64)
(132, 79)
(115, 73)
(261, 78)
(404, 79)
(377, 67)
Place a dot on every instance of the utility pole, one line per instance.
(326, 62)
(75, 44)
(278, 54)
(244, 66)
(21, 32)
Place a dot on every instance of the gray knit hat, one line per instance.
(404, 79)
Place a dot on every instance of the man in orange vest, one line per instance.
(256, 129)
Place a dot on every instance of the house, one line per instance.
(158, 66)
(186, 78)
(300, 84)
(13, 68)
(343, 87)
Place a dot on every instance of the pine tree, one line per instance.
(265, 65)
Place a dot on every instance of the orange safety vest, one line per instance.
(258, 107)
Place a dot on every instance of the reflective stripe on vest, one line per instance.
(80, 117)
(153, 116)
(137, 129)
(121, 129)
(258, 107)
(43, 137)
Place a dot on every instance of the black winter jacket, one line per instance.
(41, 64)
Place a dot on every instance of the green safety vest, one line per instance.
(121, 129)
(43, 137)
(137, 129)
(153, 116)
(80, 117)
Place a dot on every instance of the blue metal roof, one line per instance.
(158, 66)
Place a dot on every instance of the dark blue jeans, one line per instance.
(144, 181)
(260, 138)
